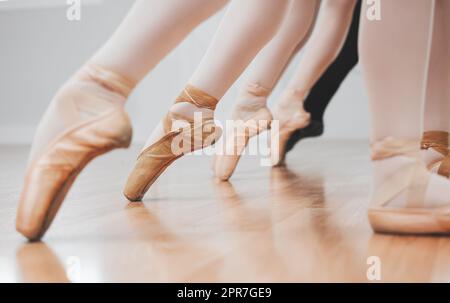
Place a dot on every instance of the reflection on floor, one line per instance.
(305, 222)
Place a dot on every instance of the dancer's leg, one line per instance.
(272, 59)
(326, 87)
(320, 51)
(437, 102)
(401, 37)
(86, 117)
(324, 45)
(246, 27)
(394, 55)
(267, 67)
(150, 31)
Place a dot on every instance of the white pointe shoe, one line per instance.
(400, 203)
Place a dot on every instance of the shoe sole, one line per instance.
(410, 221)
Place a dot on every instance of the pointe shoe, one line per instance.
(50, 176)
(237, 140)
(297, 121)
(438, 141)
(398, 204)
(291, 118)
(251, 117)
(193, 134)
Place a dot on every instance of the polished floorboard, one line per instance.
(305, 222)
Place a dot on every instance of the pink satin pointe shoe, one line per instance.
(250, 118)
(181, 134)
(403, 202)
(237, 140)
(291, 116)
(51, 174)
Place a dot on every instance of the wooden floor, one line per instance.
(306, 222)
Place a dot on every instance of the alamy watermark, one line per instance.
(374, 271)
(73, 268)
(373, 12)
(73, 12)
(230, 139)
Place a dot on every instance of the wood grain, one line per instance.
(303, 223)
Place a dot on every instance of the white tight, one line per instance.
(324, 44)
(150, 31)
(394, 55)
(271, 61)
(245, 29)
(153, 28)
(437, 105)
(320, 50)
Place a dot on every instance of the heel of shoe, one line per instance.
(124, 141)
(125, 132)
(115, 129)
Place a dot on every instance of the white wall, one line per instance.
(39, 49)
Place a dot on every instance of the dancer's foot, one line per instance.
(406, 197)
(251, 117)
(292, 117)
(84, 120)
(435, 152)
(188, 126)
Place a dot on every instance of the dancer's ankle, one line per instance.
(252, 98)
(291, 107)
(434, 147)
(252, 91)
(193, 102)
(108, 79)
(293, 97)
(384, 168)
